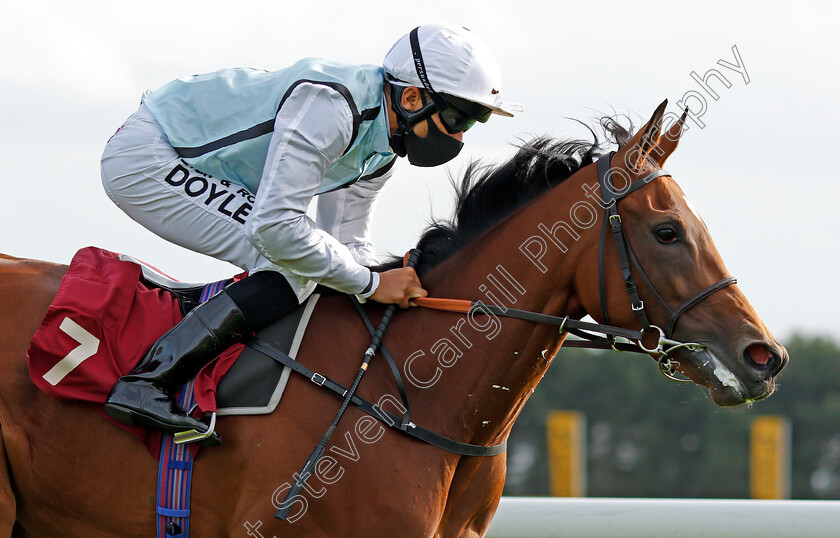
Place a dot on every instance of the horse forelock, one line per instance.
(487, 193)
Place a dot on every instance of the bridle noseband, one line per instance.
(612, 220)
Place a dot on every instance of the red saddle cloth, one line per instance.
(100, 324)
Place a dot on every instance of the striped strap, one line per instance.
(174, 480)
(176, 463)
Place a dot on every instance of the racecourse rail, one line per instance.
(536, 517)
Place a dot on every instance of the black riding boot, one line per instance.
(144, 396)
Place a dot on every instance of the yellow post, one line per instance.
(770, 458)
(566, 453)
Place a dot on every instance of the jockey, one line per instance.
(227, 163)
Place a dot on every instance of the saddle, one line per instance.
(118, 308)
(110, 308)
(254, 383)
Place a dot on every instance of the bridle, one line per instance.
(635, 341)
(665, 343)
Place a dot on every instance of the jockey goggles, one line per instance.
(457, 115)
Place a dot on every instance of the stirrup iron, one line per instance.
(192, 436)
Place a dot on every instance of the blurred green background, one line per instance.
(647, 436)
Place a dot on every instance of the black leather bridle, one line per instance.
(612, 220)
(633, 340)
(652, 339)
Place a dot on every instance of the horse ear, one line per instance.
(668, 143)
(653, 129)
(645, 142)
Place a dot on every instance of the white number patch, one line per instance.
(88, 346)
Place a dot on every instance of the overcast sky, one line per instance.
(762, 170)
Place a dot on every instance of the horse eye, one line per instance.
(666, 234)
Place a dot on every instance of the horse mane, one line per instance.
(488, 193)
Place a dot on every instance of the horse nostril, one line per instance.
(764, 358)
(759, 354)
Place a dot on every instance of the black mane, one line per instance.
(489, 193)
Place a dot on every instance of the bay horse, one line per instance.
(526, 234)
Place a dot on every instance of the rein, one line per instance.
(663, 343)
(348, 397)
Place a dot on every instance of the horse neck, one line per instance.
(503, 359)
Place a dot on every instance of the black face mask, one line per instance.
(433, 150)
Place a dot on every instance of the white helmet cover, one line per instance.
(456, 62)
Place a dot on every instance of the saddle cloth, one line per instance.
(110, 309)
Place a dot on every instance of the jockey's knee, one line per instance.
(263, 297)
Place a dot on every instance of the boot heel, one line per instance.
(120, 413)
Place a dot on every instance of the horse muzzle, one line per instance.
(745, 377)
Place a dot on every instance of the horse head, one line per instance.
(685, 293)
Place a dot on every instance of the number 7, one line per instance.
(88, 346)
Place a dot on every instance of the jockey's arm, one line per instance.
(347, 214)
(311, 131)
